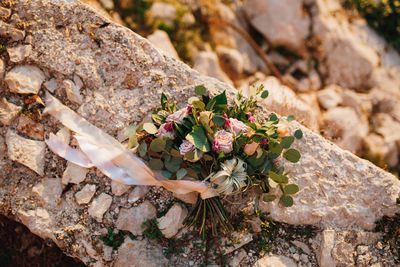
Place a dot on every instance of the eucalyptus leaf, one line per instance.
(218, 120)
(198, 138)
(131, 129)
(175, 153)
(286, 201)
(173, 164)
(290, 118)
(150, 128)
(276, 177)
(272, 183)
(273, 117)
(199, 105)
(264, 94)
(200, 90)
(298, 134)
(292, 155)
(157, 145)
(287, 141)
(142, 150)
(166, 174)
(156, 164)
(291, 189)
(132, 142)
(275, 148)
(180, 174)
(269, 198)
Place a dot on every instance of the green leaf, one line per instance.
(156, 164)
(175, 153)
(181, 173)
(157, 118)
(291, 189)
(189, 155)
(142, 149)
(199, 105)
(276, 177)
(157, 145)
(166, 174)
(198, 138)
(218, 120)
(286, 201)
(275, 148)
(211, 104)
(269, 198)
(292, 155)
(164, 100)
(131, 129)
(221, 99)
(200, 90)
(132, 141)
(290, 118)
(273, 117)
(298, 134)
(287, 141)
(173, 165)
(264, 94)
(150, 128)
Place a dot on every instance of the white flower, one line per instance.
(185, 147)
(231, 178)
(166, 130)
(223, 142)
(179, 115)
(237, 126)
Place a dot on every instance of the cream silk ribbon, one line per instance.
(100, 150)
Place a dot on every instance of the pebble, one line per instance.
(118, 189)
(72, 92)
(24, 79)
(85, 195)
(137, 193)
(99, 206)
(74, 174)
(19, 53)
(8, 111)
(51, 85)
(172, 221)
(30, 128)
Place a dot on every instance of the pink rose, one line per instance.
(166, 130)
(223, 142)
(250, 117)
(185, 147)
(237, 126)
(179, 115)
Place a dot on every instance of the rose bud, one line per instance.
(282, 130)
(251, 148)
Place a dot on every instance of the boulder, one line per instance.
(132, 219)
(24, 79)
(172, 222)
(161, 40)
(206, 62)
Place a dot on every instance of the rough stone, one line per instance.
(99, 206)
(206, 62)
(161, 40)
(2, 68)
(348, 129)
(85, 195)
(327, 244)
(255, 225)
(132, 219)
(137, 193)
(275, 261)
(163, 11)
(38, 221)
(48, 191)
(170, 223)
(236, 259)
(51, 85)
(330, 96)
(72, 92)
(30, 128)
(230, 60)
(5, 13)
(19, 53)
(119, 189)
(25, 79)
(7, 30)
(138, 253)
(343, 253)
(283, 23)
(302, 246)
(74, 174)
(25, 151)
(376, 146)
(107, 4)
(8, 111)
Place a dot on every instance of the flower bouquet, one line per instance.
(221, 145)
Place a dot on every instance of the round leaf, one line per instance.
(290, 118)
(273, 117)
(181, 173)
(218, 120)
(286, 201)
(264, 94)
(150, 128)
(166, 174)
(298, 134)
(156, 164)
(199, 105)
(276, 177)
(142, 149)
(291, 189)
(287, 141)
(275, 148)
(292, 155)
(131, 129)
(132, 141)
(269, 198)
(200, 90)
(157, 145)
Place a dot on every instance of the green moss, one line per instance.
(111, 239)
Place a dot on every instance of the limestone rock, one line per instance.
(170, 223)
(5, 13)
(51, 85)
(275, 261)
(25, 151)
(283, 23)
(231, 61)
(19, 53)
(330, 97)
(49, 190)
(8, 111)
(72, 92)
(137, 253)
(161, 40)
(206, 63)
(7, 30)
(327, 244)
(163, 11)
(24, 79)
(99, 206)
(85, 195)
(236, 259)
(74, 174)
(377, 146)
(132, 219)
(348, 129)
(343, 253)
(119, 189)
(38, 221)
(302, 246)
(30, 128)
(137, 193)
(107, 4)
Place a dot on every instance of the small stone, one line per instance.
(132, 219)
(302, 246)
(64, 134)
(8, 111)
(206, 62)
(107, 4)
(188, 19)
(137, 193)
(343, 253)
(330, 96)
(5, 13)
(99, 206)
(362, 250)
(90, 250)
(119, 189)
(19, 53)
(231, 60)
(327, 244)
(275, 261)
(51, 85)
(161, 40)
(30, 128)
(24, 79)
(235, 260)
(74, 174)
(190, 198)
(85, 195)
(171, 222)
(72, 92)
(49, 191)
(364, 260)
(25, 151)
(78, 82)
(107, 253)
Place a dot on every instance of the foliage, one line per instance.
(221, 144)
(151, 230)
(112, 239)
(383, 16)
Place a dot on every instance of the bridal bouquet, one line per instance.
(221, 145)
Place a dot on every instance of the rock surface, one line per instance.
(49, 190)
(172, 222)
(99, 206)
(85, 195)
(30, 128)
(119, 189)
(132, 219)
(24, 79)
(74, 174)
(207, 63)
(8, 111)
(275, 261)
(161, 40)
